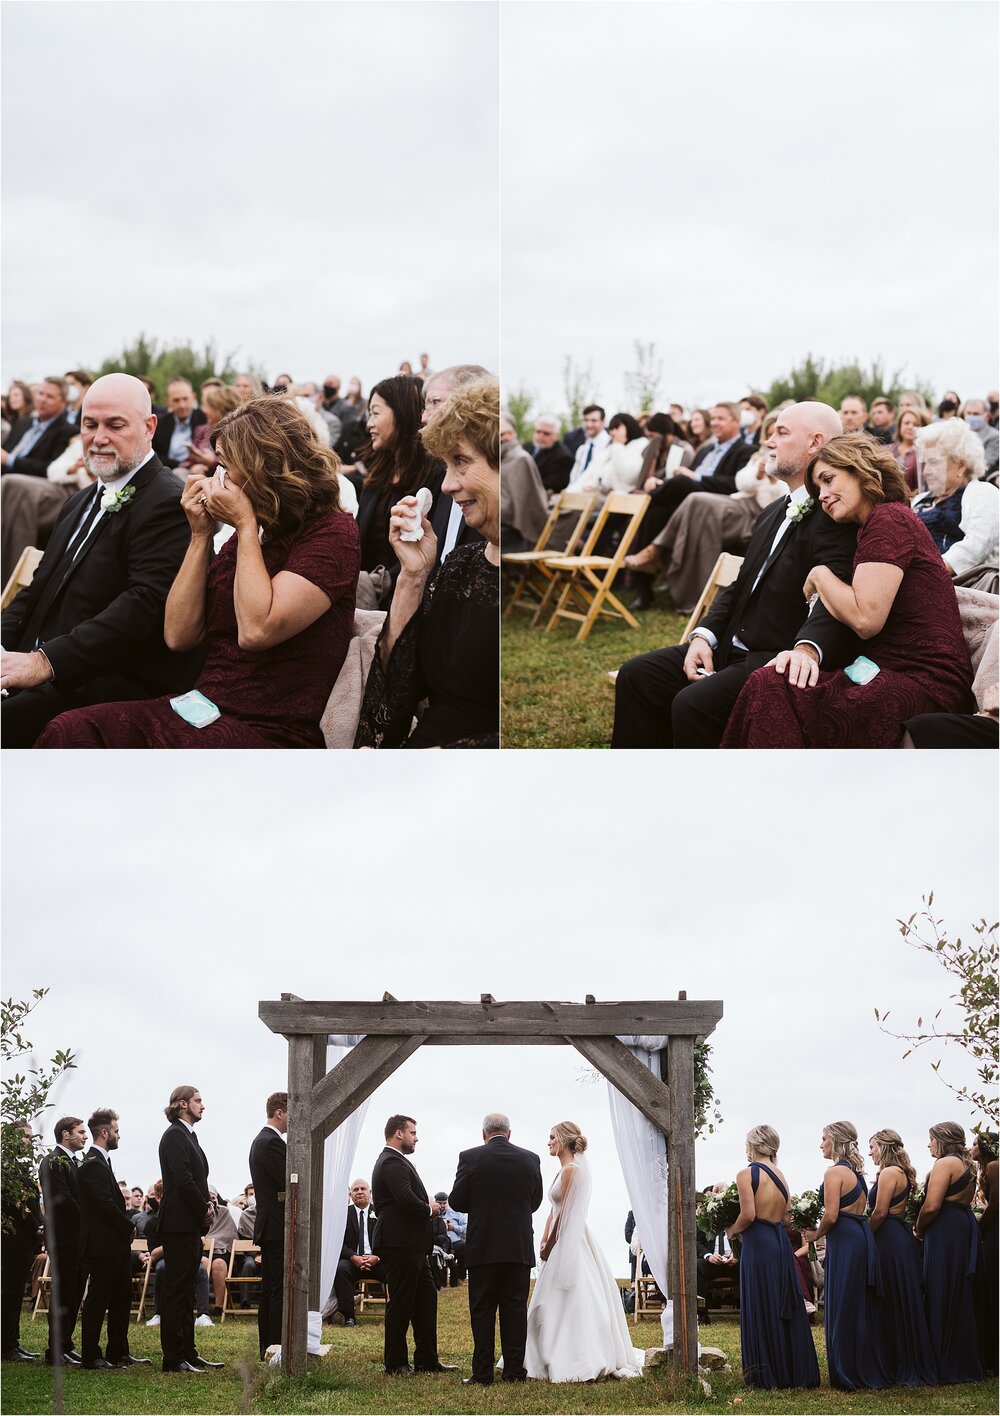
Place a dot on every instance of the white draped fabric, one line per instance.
(642, 1151)
(338, 1161)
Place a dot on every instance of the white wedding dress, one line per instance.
(577, 1330)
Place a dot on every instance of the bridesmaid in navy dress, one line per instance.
(984, 1153)
(908, 1357)
(952, 1247)
(853, 1286)
(775, 1340)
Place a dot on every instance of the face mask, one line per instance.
(72, 394)
(975, 421)
(747, 418)
(330, 391)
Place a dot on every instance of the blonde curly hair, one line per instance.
(471, 415)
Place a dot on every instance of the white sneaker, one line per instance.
(154, 1321)
(203, 1320)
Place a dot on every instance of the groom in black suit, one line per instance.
(403, 1239)
(185, 1213)
(499, 1186)
(89, 627)
(268, 1160)
(683, 696)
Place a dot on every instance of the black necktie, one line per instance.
(586, 460)
(83, 530)
(361, 1232)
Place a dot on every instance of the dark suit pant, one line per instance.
(345, 1280)
(16, 1255)
(499, 1288)
(109, 1290)
(26, 714)
(270, 1304)
(181, 1262)
(657, 706)
(412, 1300)
(662, 505)
(67, 1259)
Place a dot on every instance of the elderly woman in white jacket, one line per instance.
(961, 512)
(617, 467)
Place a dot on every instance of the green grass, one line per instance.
(555, 692)
(351, 1380)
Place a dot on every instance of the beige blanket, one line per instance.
(979, 613)
(339, 722)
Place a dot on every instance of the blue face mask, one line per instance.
(975, 421)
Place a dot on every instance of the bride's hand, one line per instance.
(544, 1250)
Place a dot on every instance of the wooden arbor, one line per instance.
(391, 1031)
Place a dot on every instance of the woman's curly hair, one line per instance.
(471, 415)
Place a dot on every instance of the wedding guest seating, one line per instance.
(533, 589)
(587, 579)
(724, 572)
(648, 1298)
(140, 1281)
(371, 1294)
(41, 1304)
(22, 574)
(238, 1288)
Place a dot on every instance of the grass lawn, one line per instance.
(351, 1380)
(555, 692)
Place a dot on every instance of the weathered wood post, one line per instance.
(681, 1245)
(304, 1177)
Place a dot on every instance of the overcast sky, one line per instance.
(743, 183)
(312, 186)
(164, 896)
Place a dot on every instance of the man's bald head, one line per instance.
(116, 426)
(122, 389)
(798, 433)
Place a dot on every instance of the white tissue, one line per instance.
(423, 506)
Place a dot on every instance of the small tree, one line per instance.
(974, 968)
(578, 383)
(23, 1096)
(519, 405)
(166, 362)
(643, 382)
(813, 378)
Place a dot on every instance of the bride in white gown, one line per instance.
(576, 1323)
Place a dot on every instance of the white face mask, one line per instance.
(72, 393)
(747, 418)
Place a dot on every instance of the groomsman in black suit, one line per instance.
(185, 1213)
(60, 1184)
(89, 627)
(683, 696)
(499, 1186)
(358, 1259)
(268, 1157)
(106, 1236)
(403, 1240)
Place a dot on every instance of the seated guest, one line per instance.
(718, 1261)
(853, 413)
(974, 414)
(455, 1226)
(961, 512)
(449, 524)
(699, 431)
(552, 457)
(586, 442)
(77, 382)
(216, 401)
(753, 411)
(523, 504)
(247, 386)
(900, 601)
(357, 1260)
(274, 609)
(682, 697)
(881, 421)
(30, 506)
(441, 638)
(904, 448)
(17, 402)
(175, 430)
(397, 465)
(617, 466)
(38, 437)
(89, 627)
(222, 1231)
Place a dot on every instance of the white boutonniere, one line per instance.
(114, 501)
(798, 511)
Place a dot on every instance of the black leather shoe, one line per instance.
(14, 1354)
(643, 599)
(438, 1367)
(185, 1367)
(204, 1363)
(350, 1322)
(25, 1353)
(474, 1381)
(97, 1365)
(129, 1361)
(399, 1371)
(66, 1359)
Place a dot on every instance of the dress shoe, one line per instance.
(643, 598)
(185, 1367)
(25, 1353)
(129, 1361)
(66, 1359)
(399, 1371)
(97, 1365)
(205, 1363)
(646, 559)
(350, 1322)
(14, 1354)
(474, 1381)
(438, 1367)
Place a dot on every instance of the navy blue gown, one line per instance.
(852, 1292)
(775, 1340)
(906, 1344)
(951, 1257)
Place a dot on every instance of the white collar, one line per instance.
(282, 1134)
(186, 1124)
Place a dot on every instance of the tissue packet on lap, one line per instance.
(195, 709)
(862, 670)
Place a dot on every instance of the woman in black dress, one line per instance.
(441, 639)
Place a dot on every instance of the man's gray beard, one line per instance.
(784, 471)
(121, 467)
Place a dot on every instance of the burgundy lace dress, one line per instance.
(274, 698)
(921, 653)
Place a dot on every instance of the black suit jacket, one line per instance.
(102, 613)
(105, 1229)
(165, 431)
(774, 616)
(499, 1186)
(554, 464)
(53, 441)
(61, 1189)
(373, 517)
(184, 1169)
(268, 1160)
(401, 1204)
(723, 479)
(351, 1232)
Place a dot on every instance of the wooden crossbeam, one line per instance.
(635, 1082)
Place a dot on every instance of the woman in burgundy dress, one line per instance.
(274, 609)
(900, 601)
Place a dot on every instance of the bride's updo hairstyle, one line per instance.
(569, 1135)
(764, 1140)
(844, 1139)
(891, 1152)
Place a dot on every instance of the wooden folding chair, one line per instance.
(41, 1304)
(23, 574)
(648, 1299)
(587, 579)
(140, 1280)
(371, 1294)
(724, 572)
(533, 588)
(237, 1287)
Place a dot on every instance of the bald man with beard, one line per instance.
(683, 696)
(89, 627)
